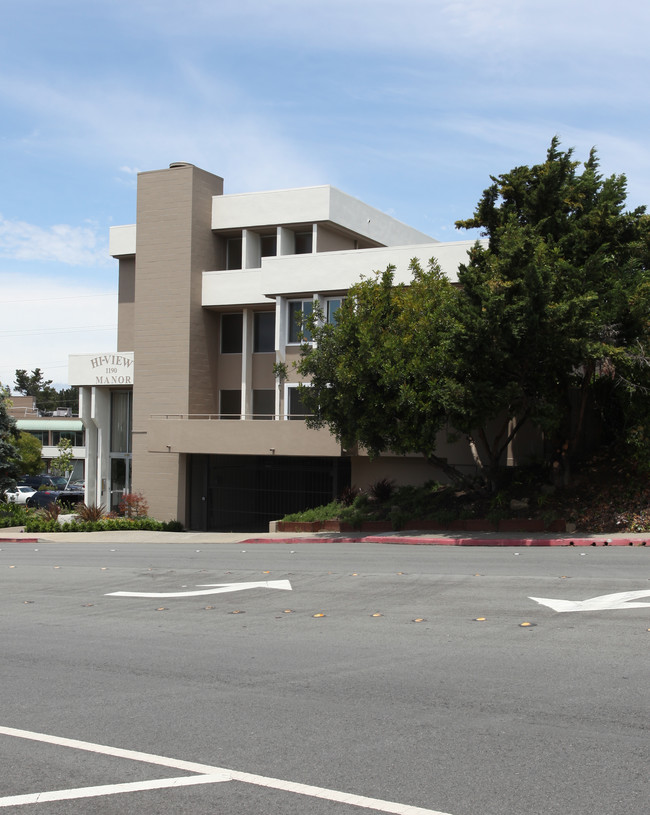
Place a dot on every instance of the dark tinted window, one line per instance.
(304, 243)
(264, 331)
(230, 404)
(231, 330)
(263, 404)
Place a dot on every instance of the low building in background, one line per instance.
(49, 430)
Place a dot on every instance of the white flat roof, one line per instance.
(307, 205)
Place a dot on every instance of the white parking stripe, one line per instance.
(117, 752)
(207, 775)
(334, 795)
(110, 789)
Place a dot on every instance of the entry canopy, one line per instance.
(49, 424)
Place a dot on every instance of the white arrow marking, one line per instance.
(221, 588)
(604, 602)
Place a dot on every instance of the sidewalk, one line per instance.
(16, 535)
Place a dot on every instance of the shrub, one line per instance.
(38, 523)
(50, 512)
(382, 490)
(133, 505)
(90, 512)
(13, 514)
(172, 526)
(348, 495)
(324, 513)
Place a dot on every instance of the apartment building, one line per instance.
(188, 409)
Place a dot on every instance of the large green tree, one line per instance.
(8, 437)
(551, 307)
(382, 375)
(29, 451)
(555, 303)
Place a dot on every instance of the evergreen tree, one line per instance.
(8, 437)
(556, 301)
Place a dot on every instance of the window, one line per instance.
(76, 437)
(263, 404)
(299, 311)
(333, 305)
(121, 421)
(233, 253)
(304, 242)
(230, 404)
(268, 246)
(231, 333)
(42, 435)
(294, 407)
(264, 332)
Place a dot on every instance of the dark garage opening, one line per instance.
(243, 493)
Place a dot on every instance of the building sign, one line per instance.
(101, 369)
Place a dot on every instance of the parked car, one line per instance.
(19, 494)
(65, 498)
(57, 482)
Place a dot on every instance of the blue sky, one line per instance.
(408, 105)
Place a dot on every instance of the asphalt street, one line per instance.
(381, 678)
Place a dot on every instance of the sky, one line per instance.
(409, 105)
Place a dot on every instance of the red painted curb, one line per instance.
(18, 540)
(504, 541)
(460, 541)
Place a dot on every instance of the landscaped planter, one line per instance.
(300, 526)
(422, 525)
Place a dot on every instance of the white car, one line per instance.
(19, 494)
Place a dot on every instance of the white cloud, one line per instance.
(73, 245)
(42, 321)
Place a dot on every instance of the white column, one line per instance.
(90, 454)
(247, 364)
(251, 250)
(101, 416)
(286, 241)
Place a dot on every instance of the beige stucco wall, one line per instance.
(229, 372)
(238, 437)
(415, 471)
(263, 376)
(175, 340)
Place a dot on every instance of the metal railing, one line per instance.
(228, 416)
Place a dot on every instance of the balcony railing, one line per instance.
(229, 416)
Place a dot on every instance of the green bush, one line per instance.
(325, 513)
(36, 524)
(429, 501)
(13, 515)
